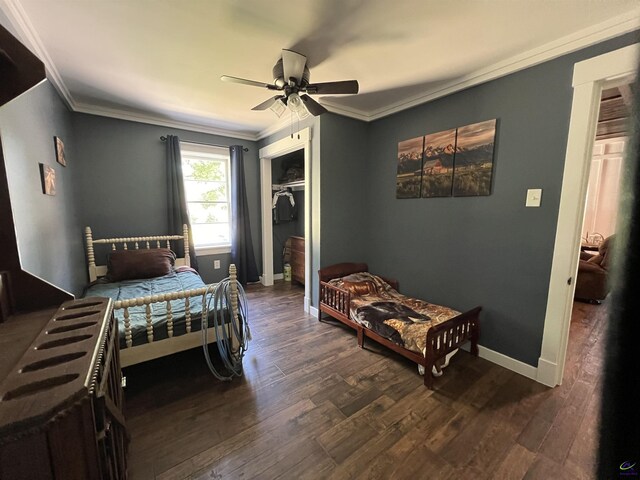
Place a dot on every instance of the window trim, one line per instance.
(217, 250)
(195, 150)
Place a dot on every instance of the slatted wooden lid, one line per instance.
(57, 369)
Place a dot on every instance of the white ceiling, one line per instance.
(161, 61)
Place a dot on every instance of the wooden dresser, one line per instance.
(297, 259)
(61, 402)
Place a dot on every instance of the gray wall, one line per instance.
(48, 228)
(344, 208)
(490, 251)
(123, 189)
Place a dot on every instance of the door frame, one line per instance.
(589, 77)
(299, 141)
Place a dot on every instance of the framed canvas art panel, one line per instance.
(473, 164)
(409, 174)
(48, 178)
(437, 164)
(60, 158)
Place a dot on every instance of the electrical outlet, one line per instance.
(216, 264)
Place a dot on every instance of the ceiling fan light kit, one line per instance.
(291, 76)
(278, 107)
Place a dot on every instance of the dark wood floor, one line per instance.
(314, 405)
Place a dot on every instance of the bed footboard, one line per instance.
(334, 300)
(450, 335)
(185, 295)
(132, 354)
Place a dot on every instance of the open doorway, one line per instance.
(590, 78)
(589, 314)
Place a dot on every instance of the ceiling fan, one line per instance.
(291, 77)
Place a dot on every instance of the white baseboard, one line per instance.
(508, 363)
(313, 311)
(276, 276)
(547, 372)
(307, 304)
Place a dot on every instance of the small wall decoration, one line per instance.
(409, 176)
(60, 151)
(474, 159)
(456, 162)
(437, 167)
(48, 177)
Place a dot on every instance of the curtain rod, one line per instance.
(163, 138)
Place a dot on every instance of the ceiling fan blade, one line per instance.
(314, 107)
(293, 65)
(244, 81)
(327, 88)
(268, 103)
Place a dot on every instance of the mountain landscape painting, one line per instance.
(437, 166)
(473, 164)
(409, 176)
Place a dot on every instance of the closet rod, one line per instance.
(163, 138)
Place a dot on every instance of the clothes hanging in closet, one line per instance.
(284, 207)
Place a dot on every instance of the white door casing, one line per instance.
(589, 76)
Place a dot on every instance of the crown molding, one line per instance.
(606, 30)
(153, 120)
(347, 111)
(280, 124)
(570, 43)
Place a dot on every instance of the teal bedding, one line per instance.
(127, 289)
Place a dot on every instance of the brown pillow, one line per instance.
(134, 264)
(364, 287)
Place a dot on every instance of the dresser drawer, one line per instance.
(297, 258)
(297, 244)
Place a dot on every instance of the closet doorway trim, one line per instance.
(300, 141)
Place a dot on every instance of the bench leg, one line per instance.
(361, 337)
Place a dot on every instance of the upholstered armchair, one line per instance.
(593, 273)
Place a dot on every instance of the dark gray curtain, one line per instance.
(241, 244)
(176, 198)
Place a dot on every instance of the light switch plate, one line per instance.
(534, 195)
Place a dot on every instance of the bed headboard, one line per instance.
(341, 270)
(156, 241)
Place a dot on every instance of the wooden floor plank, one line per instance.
(313, 405)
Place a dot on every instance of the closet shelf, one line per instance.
(297, 183)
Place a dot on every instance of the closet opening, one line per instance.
(285, 168)
(287, 173)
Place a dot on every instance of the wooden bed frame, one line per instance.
(132, 354)
(441, 339)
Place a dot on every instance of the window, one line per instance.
(206, 172)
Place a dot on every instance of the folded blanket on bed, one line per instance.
(400, 319)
